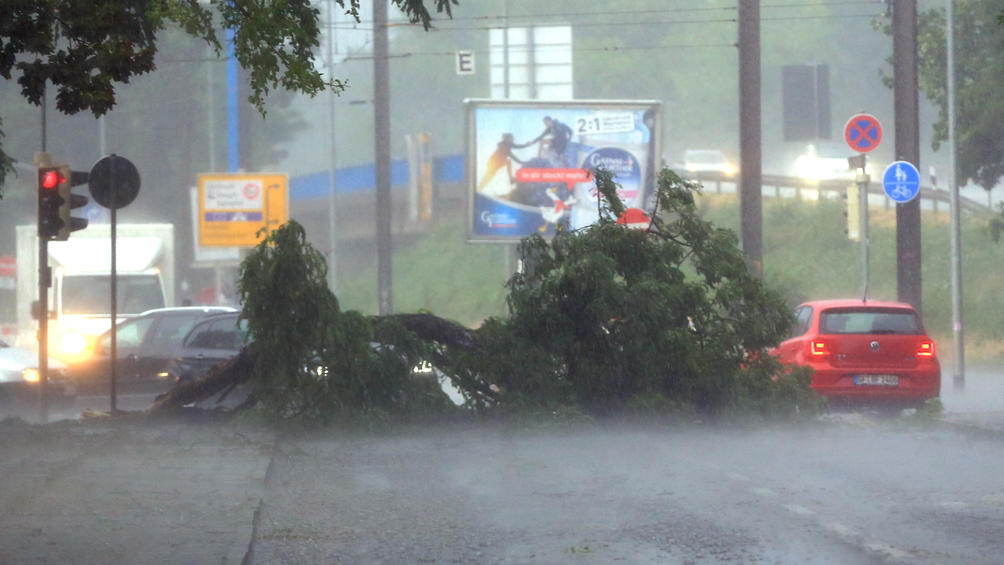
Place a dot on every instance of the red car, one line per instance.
(864, 350)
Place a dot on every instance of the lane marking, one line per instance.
(800, 510)
(887, 551)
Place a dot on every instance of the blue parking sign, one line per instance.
(901, 181)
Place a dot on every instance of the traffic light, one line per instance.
(49, 202)
(69, 179)
(853, 213)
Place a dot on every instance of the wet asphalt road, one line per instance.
(853, 490)
(850, 488)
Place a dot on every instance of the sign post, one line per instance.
(114, 183)
(863, 133)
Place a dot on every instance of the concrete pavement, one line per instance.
(129, 490)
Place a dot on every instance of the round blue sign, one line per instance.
(901, 181)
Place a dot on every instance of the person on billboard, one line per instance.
(557, 212)
(502, 157)
(555, 137)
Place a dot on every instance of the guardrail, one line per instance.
(933, 199)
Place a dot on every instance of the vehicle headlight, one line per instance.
(808, 168)
(30, 375)
(73, 343)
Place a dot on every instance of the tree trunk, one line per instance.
(227, 374)
(427, 327)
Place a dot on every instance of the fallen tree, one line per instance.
(220, 379)
(428, 328)
(602, 318)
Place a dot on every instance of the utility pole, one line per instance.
(750, 137)
(959, 379)
(381, 118)
(904, 50)
(332, 234)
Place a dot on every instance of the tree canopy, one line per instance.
(84, 50)
(979, 79)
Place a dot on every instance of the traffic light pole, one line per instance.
(44, 281)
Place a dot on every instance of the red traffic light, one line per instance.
(51, 179)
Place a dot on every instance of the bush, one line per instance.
(314, 361)
(602, 319)
(604, 314)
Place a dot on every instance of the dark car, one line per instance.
(145, 346)
(209, 342)
(221, 337)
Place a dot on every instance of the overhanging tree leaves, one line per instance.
(979, 77)
(85, 49)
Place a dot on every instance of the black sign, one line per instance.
(114, 181)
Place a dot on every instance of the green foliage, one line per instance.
(87, 49)
(313, 361)
(979, 78)
(602, 320)
(605, 314)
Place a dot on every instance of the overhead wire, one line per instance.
(350, 26)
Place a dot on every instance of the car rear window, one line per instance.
(870, 321)
(224, 333)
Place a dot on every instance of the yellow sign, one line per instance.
(234, 207)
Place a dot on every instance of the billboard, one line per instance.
(528, 162)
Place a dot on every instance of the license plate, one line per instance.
(876, 380)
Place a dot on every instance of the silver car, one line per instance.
(19, 377)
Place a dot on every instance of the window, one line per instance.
(91, 294)
(128, 334)
(219, 334)
(803, 319)
(870, 321)
(172, 329)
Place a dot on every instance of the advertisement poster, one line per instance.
(529, 162)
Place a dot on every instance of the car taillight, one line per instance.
(818, 348)
(925, 348)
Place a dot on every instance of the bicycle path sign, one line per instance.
(901, 181)
(863, 132)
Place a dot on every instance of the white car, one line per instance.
(828, 162)
(19, 378)
(707, 160)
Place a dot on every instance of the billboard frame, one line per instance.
(649, 169)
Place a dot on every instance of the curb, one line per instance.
(243, 548)
(981, 431)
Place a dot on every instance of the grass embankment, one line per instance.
(806, 255)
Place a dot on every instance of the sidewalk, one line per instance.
(979, 406)
(127, 490)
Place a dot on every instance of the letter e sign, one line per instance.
(465, 62)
